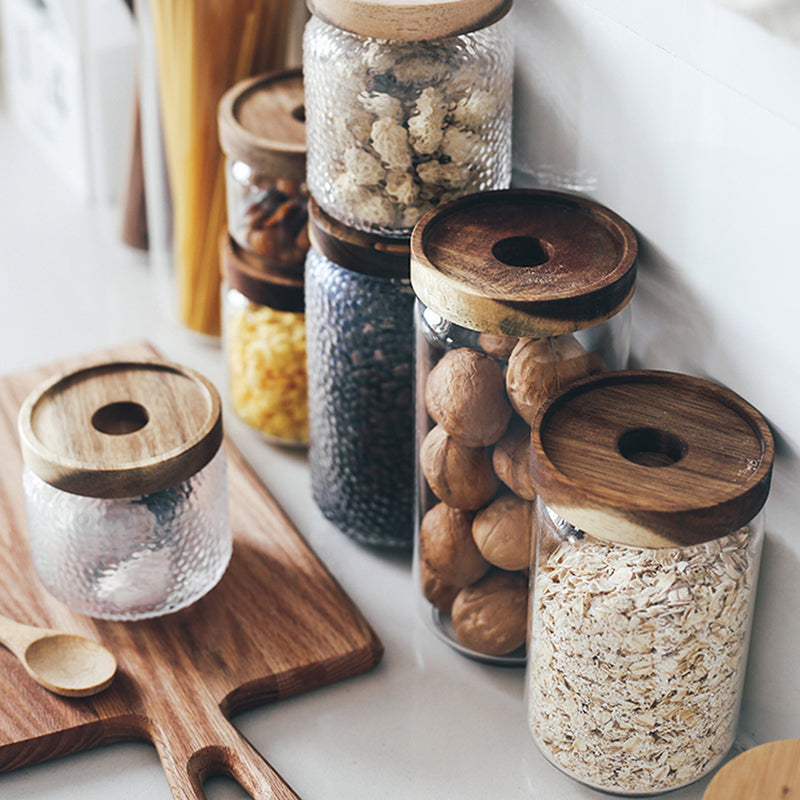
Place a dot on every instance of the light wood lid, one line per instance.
(409, 20)
(262, 122)
(651, 458)
(358, 251)
(121, 428)
(523, 262)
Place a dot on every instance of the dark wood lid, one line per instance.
(262, 122)
(651, 458)
(409, 20)
(261, 281)
(121, 428)
(523, 262)
(379, 256)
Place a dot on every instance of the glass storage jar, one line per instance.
(264, 340)
(519, 293)
(408, 106)
(262, 133)
(650, 526)
(125, 488)
(359, 317)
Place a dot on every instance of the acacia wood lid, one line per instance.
(409, 20)
(358, 251)
(121, 428)
(259, 280)
(523, 262)
(262, 122)
(651, 458)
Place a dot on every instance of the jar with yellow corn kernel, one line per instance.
(264, 338)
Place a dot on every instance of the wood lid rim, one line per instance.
(64, 409)
(715, 482)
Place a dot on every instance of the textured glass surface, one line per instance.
(360, 340)
(131, 558)
(394, 129)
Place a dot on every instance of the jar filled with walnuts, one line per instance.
(519, 292)
(262, 133)
(651, 487)
(408, 106)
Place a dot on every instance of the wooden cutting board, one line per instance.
(276, 625)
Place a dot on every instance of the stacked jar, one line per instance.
(262, 132)
(520, 292)
(650, 526)
(407, 108)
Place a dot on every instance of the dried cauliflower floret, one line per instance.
(410, 215)
(376, 58)
(401, 186)
(472, 110)
(364, 168)
(390, 141)
(452, 176)
(346, 191)
(382, 105)
(429, 67)
(460, 145)
(352, 128)
(375, 208)
(426, 123)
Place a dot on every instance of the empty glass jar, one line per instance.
(407, 106)
(519, 293)
(125, 488)
(649, 527)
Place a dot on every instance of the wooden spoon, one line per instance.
(64, 663)
(769, 772)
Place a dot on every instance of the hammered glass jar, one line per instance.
(407, 106)
(360, 330)
(264, 340)
(650, 527)
(519, 293)
(125, 488)
(262, 133)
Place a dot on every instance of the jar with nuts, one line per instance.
(262, 132)
(409, 105)
(519, 293)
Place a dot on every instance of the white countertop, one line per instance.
(426, 723)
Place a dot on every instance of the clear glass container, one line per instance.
(649, 528)
(264, 340)
(490, 350)
(262, 132)
(360, 358)
(125, 488)
(397, 123)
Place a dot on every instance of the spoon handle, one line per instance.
(16, 636)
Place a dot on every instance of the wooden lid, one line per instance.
(262, 122)
(259, 280)
(121, 429)
(522, 262)
(379, 256)
(651, 459)
(409, 20)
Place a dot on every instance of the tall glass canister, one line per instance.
(650, 527)
(519, 293)
(407, 106)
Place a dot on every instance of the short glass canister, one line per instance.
(407, 105)
(360, 331)
(125, 488)
(519, 293)
(650, 527)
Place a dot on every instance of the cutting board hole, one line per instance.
(118, 419)
(299, 113)
(651, 447)
(522, 251)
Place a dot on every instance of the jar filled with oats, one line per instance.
(408, 106)
(262, 133)
(650, 526)
(264, 340)
(519, 293)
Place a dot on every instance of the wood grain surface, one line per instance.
(276, 625)
(768, 772)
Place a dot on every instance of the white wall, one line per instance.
(685, 118)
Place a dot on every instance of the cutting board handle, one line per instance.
(207, 744)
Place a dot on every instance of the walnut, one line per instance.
(503, 532)
(447, 547)
(511, 459)
(465, 395)
(491, 616)
(537, 368)
(435, 591)
(497, 345)
(460, 476)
